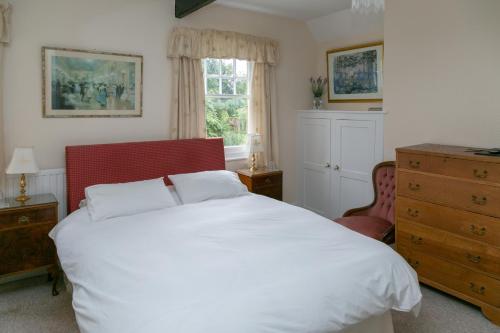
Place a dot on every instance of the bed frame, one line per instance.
(133, 161)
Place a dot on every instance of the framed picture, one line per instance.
(78, 83)
(355, 74)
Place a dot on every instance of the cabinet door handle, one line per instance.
(336, 167)
(412, 213)
(268, 180)
(23, 219)
(327, 165)
(414, 164)
(481, 201)
(480, 174)
(477, 289)
(416, 240)
(476, 230)
(473, 258)
(414, 187)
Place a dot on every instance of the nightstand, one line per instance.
(24, 242)
(263, 181)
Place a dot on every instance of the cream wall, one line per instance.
(342, 29)
(140, 27)
(442, 73)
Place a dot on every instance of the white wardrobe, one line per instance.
(337, 151)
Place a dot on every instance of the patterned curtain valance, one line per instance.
(199, 44)
(4, 22)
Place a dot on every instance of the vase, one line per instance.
(317, 103)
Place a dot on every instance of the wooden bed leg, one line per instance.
(492, 313)
(55, 274)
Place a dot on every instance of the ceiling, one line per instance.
(298, 9)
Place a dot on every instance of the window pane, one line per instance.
(241, 87)
(241, 68)
(213, 66)
(213, 86)
(227, 66)
(227, 87)
(227, 118)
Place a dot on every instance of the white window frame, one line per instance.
(231, 152)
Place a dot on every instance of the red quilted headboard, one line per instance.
(133, 161)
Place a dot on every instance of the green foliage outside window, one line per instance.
(227, 118)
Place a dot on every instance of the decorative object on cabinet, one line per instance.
(318, 87)
(255, 147)
(355, 73)
(22, 162)
(448, 221)
(24, 242)
(367, 6)
(263, 181)
(377, 219)
(78, 83)
(337, 151)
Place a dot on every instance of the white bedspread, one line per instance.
(243, 265)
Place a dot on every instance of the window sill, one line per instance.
(235, 153)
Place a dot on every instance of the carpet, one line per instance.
(27, 306)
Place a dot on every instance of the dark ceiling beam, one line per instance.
(186, 7)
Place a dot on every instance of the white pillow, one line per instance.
(112, 200)
(206, 185)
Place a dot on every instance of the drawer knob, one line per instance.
(477, 289)
(478, 200)
(480, 174)
(414, 187)
(412, 213)
(416, 240)
(473, 258)
(413, 263)
(268, 180)
(23, 219)
(476, 230)
(414, 164)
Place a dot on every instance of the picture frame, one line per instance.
(90, 84)
(355, 73)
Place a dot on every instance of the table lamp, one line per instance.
(22, 162)
(256, 146)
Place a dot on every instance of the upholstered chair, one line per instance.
(376, 220)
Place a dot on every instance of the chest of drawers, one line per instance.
(448, 221)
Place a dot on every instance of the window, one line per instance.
(226, 103)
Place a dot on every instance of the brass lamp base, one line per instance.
(253, 167)
(22, 190)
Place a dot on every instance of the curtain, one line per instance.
(263, 112)
(188, 100)
(189, 46)
(4, 39)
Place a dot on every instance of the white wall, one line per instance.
(140, 27)
(442, 73)
(342, 29)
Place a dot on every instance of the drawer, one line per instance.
(33, 216)
(456, 277)
(26, 248)
(471, 225)
(463, 194)
(275, 192)
(267, 181)
(445, 245)
(455, 167)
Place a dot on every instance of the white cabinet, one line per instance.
(337, 151)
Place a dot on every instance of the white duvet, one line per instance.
(243, 265)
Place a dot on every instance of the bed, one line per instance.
(243, 264)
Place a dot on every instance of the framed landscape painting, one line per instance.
(355, 74)
(78, 83)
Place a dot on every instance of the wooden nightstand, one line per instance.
(24, 242)
(263, 181)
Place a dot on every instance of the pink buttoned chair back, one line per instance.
(377, 219)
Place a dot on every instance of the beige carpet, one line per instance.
(28, 307)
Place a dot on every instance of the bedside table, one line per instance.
(24, 242)
(263, 181)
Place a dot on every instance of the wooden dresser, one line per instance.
(263, 181)
(448, 221)
(24, 242)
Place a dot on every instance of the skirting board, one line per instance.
(46, 181)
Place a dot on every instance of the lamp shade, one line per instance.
(255, 141)
(23, 161)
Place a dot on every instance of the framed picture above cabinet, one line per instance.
(78, 83)
(355, 74)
